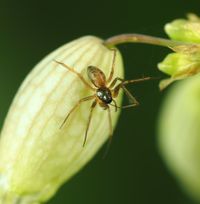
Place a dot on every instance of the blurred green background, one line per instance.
(133, 171)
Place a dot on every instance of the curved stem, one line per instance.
(139, 38)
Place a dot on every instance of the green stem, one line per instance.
(139, 38)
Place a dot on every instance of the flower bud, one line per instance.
(185, 62)
(36, 155)
(179, 134)
(179, 66)
(186, 30)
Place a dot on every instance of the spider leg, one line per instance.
(136, 80)
(131, 98)
(115, 81)
(110, 122)
(115, 105)
(89, 120)
(75, 72)
(76, 106)
(128, 81)
(123, 107)
(113, 66)
(111, 131)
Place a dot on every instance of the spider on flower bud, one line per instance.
(105, 91)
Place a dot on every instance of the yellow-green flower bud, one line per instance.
(36, 155)
(186, 30)
(186, 61)
(179, 66)
(179, 134)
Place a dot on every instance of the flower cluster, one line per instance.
(185, 61)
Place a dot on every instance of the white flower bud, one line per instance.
(179, 134)
(36, 155)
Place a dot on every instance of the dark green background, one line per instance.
(133, 171)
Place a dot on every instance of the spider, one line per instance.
(104, 91)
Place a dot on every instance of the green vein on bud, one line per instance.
(36, 157)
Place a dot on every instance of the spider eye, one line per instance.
(99, 94)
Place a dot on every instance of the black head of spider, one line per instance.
(104, 95)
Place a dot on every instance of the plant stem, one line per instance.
(139, 38)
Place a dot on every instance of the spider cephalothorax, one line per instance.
(104, 94)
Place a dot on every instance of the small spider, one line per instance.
(104, 91)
